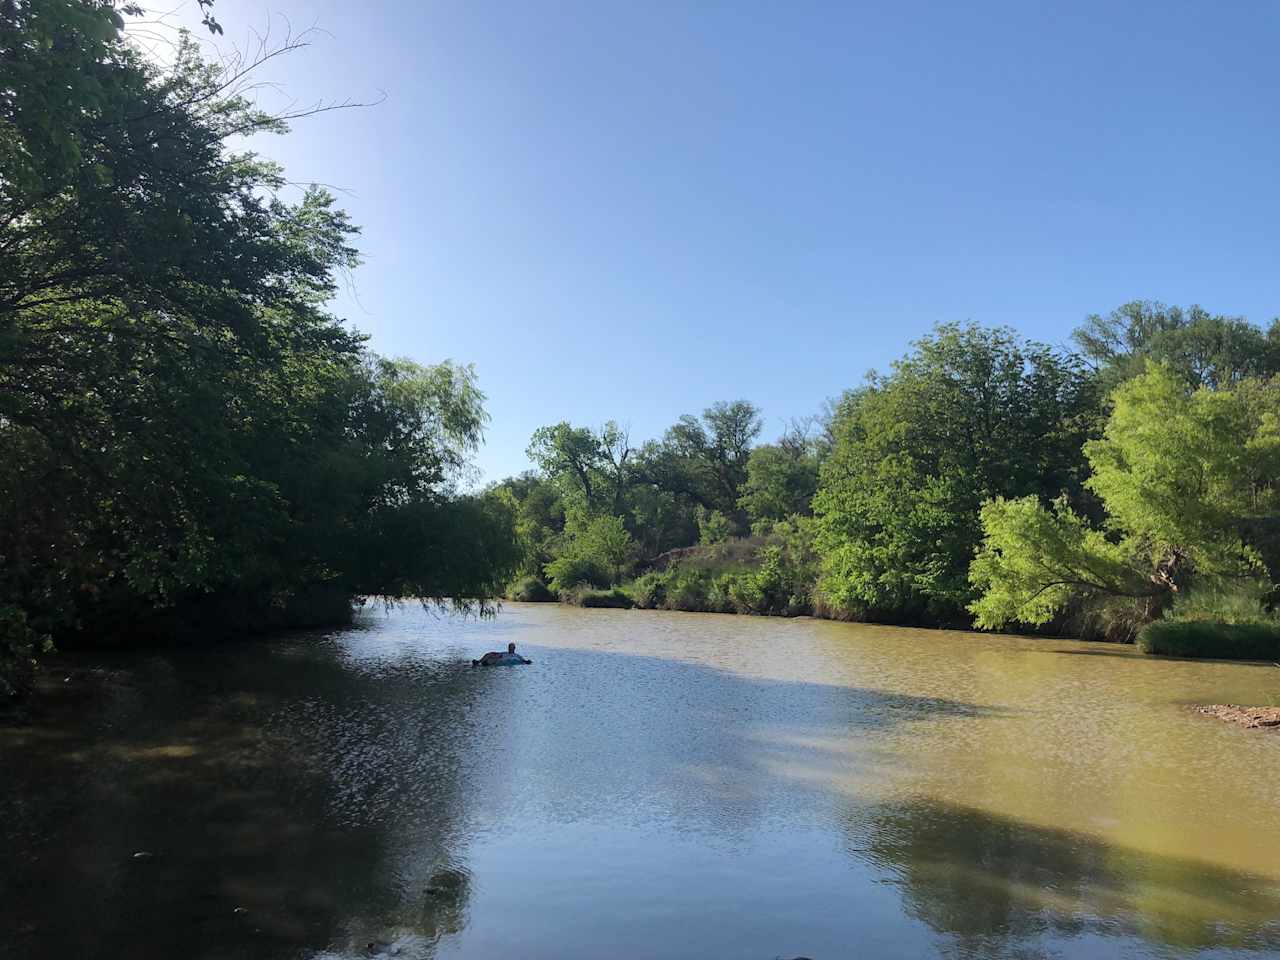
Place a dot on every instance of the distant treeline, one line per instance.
(986, 480)
(189, 440)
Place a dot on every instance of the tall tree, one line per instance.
(1204, 349)
(970, 414)
(183, 424)
(704, 461)
(1190, 481)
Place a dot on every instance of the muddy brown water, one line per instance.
(655, 785)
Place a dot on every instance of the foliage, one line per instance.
(19, 644)
(1207, 638)
(704, 461)
(587, 597)
(539, 519)
(596, 552)
(665, 494)
(591, 466)
(1187, 479)
(530, 590)
(1178, 469)
(713, 526)
(971, 414)
(1033, 562)
(1199, 348)
(781, 481)
(774, 578)
(1246, 602)
(572, 569)
(183, 424)
(649, 590)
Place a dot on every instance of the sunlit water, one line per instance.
(655, 785)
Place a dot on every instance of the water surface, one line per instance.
(654, 785)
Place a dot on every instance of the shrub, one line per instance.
(18, 646)
(531, 590)
(586, 597)
(1208, 638)
(1240, 602)
(649, 591)
(713, 527)
(720, 594)
(689, 592)
(573, 569)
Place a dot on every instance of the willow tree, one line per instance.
(184, 424)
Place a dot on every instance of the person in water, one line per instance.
(496, 658)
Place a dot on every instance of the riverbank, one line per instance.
(767, 577)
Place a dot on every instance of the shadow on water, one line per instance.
(1156, 659)
(991, 884)
(320, 798)
(219, 771)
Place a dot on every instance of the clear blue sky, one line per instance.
(631, 210)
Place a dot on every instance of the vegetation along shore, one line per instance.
(1123, 489)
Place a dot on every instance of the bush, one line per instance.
(573, 569)
(689, 592)
(18, 646)
(531, 590)
(649, 591)
(1207, 638)
(713, 527)
(586, 597)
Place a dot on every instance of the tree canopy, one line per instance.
(183, 423)
(969, 415)
(1188, 482)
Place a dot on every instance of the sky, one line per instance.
(629, 211)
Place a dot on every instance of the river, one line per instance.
(654, 785)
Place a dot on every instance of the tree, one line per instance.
(781, 481)
(1188, 479)
(970, 415)
(597, 552)
(539, 518)
(1201, 348)
(1034, 562)
(187, 435)
(594, 464)
(704, 461)
(713, 526)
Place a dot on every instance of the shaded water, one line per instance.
(654, 785)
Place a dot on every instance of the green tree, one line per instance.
(540, 519)
(1188, 479)
(781, 481)
(591, 465)
(597, 552)
(1202, 348)
(187, 435)
(713, 526)
(971, 414)
(704, 461)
